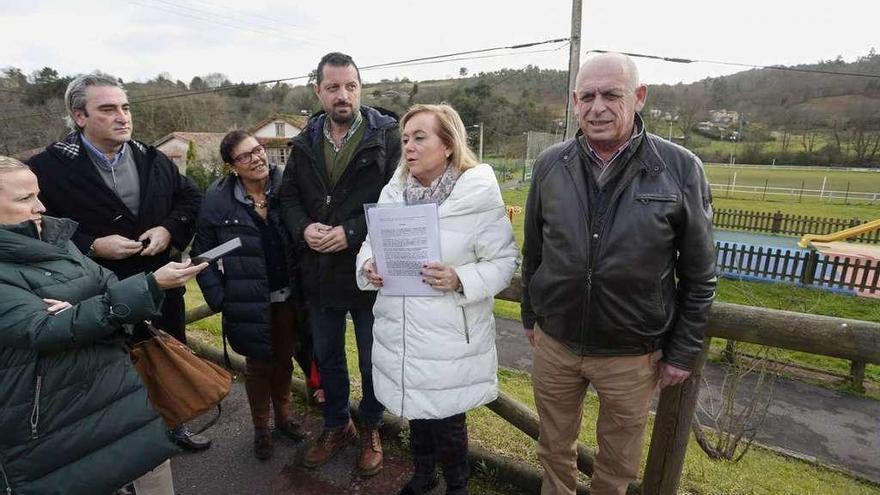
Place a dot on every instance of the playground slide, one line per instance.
(839, 236)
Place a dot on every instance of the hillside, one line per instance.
(790, 116)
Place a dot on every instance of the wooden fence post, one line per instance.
(776, 227)
(808, 273)
(672, 429)
(857, 375)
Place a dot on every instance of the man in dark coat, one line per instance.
(131, 202)
(340, 161)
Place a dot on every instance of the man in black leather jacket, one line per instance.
(618, 275)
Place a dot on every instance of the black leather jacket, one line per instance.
(642, 278)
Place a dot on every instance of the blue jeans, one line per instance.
(328, 335)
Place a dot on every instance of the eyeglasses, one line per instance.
(248, 156)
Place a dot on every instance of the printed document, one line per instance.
(403, 239)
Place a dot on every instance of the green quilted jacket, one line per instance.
(74, 415)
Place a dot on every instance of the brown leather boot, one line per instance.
(328, 444)
(370, 458)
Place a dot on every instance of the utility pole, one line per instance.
(480, 155)
(481, 142)
(574, 63)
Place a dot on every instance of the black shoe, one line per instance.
(189, 440)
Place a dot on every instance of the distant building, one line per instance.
(275, 133)
(724, 118)
(207, 148)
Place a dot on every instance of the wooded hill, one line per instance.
(791, 116)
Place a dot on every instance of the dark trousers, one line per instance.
(269, 381)
(173, 317)
(328, 335)
(444, 442)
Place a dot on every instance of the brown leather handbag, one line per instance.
(180, 385)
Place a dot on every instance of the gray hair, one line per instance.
(9, 164)
(75, 96)
(623, 62)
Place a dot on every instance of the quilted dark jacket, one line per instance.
(74, 415)
(639, 278)
(241, 291)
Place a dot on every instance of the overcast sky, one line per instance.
(268, 39)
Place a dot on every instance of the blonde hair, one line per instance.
(451, 131)
(9, 165)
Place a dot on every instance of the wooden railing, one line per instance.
(854, 340)
(779, 223)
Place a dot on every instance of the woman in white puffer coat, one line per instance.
(434, 357)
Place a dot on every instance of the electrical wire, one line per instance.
(400, 63)
(680, 60)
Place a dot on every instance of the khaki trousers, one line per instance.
(625, 385)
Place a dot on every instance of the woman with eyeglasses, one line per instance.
(251, 286)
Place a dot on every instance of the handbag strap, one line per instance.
(210, 423)
(226, 360)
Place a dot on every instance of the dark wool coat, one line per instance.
(71, 187)
(74, 415)
(241, 290)
(328, 279)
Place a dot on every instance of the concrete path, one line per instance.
(833, 427)
(229, 466)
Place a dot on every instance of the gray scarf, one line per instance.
(414, 193)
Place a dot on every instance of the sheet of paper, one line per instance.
(404, 238)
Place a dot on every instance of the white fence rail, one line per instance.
(726, 190)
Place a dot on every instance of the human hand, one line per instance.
(174, 274)
(372, 275)
(440, 276)
(314, 234)
(334, 240)
(670, 375)
(56, 306)
(159, 239)
(116, 247)
(530, 333)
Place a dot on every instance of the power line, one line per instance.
(217, 19)
(407, 62)
(679, 60)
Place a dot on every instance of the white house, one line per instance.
(275, 133)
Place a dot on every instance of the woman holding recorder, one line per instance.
(74, 415)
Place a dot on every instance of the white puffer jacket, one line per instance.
(434, 357)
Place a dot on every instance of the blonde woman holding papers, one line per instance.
(419, 340)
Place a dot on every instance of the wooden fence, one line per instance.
(854, 340)
(779, 223)
(804, 267)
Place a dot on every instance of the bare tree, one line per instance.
(737, 410)
(691, 107)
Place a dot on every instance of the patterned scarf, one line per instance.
(414, 193)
